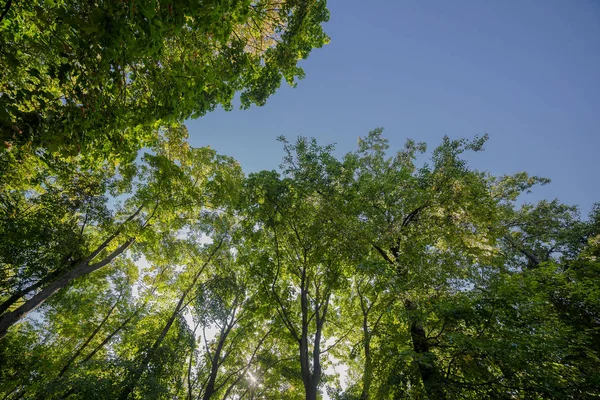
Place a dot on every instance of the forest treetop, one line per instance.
(173, 274)
(425, 280)
(100, 78)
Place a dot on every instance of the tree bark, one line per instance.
(368, 364)
(48, 278)
(216, 359)
(102, 344)
(189, 371)
(90, 338)
(534, 261)
(16, 296)
(242, 374)
(80, 269)
(130, 386)
(109, 337)
(120, 327)
(83, 268)
(311, 378)
(126, 392)
(307, 375)
(428, 369)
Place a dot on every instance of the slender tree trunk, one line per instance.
(83, 268)
(368, 364)
(15, 297)
(189, 371)
(130, 386)
(90, 338)
(533, 260)
(9, 394)
(247, 367)
(311, 379)
(83, 346)
(311, 393)
(48, 278)
(126, 392)
(101, 345)
(109, 337)
(319, 320)
(307, 376)
(119, 328)
(216, 361)
(428, 369)
(5, 10)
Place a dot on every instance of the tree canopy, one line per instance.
(366, 276)
(135, 266)
(99, 78)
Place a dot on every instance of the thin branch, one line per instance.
(336, 342)
(530, 256)
(383, 253)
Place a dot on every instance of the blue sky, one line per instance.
(526, 72)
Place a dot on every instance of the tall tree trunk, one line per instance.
(311, 392)
(102, 344)
(368, 364)
(109, 337)
(427, 361)
(5, 10)
(130, 386)
(216, 360)
(90, 338)
(311, 378)
(80, 269)
(428, 370)
(310, 386)
(83, 268)
(126, 392)
(18, 295)
(121, 325)
(320, 315)
(80, 349)
(46, 279)
(190, 386)
(243, 373)
(307, 375)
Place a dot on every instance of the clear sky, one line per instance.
(525, 71)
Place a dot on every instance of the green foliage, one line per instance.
(423, 281)
(99, 79)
